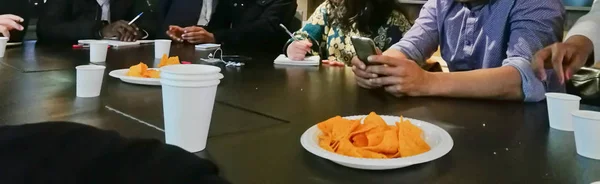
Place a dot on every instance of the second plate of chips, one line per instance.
(122, 74)
(438, 139)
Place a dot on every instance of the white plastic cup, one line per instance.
(98, 50)
(89, 80)
(560, 107)
(161, 47)
(586, 125)
(3, 41)
(188, 99)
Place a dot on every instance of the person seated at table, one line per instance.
(568, 57)
(335, 21)
(63, 152)
(14, 17)
(251, 25)
(73, 20)
(488, 46)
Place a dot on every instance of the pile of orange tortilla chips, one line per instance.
(372, 139)
(141, 70)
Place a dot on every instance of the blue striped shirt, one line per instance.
(490, 35)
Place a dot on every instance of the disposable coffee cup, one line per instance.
(188, 100)
(161, 47)
(560, 107)
(98, 50)
(3, 41)
(586, 126)
(89, 80)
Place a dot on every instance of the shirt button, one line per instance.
(467, 42)
(234, 4)
(242, 4)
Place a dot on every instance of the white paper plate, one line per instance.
(438, 139)
(122, 74)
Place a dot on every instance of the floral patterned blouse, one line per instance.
(337, 45)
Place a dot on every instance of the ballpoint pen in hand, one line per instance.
(288, 32)
(134, 19)
(291, 35)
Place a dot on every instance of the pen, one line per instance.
(134, 19)
(288, 32)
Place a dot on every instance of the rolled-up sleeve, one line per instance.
(588, 26)
(534, 24)
(422, 40)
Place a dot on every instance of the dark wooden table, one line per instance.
(261, 110)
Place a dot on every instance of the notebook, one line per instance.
(308, 61)
(116, 43)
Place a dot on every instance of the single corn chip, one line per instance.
(163, 61)
(370, 154)
(360, 140)
(388, 145)
(137, 70)
(410, 139)
(173, 61)
(152, 74)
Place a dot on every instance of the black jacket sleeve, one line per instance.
(57, 24)
(61, 152)
(261, 29)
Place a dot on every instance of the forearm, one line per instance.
(495, 83)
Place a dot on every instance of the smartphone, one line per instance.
(364, 48)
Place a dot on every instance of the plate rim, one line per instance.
(443, 148)
(114, 73)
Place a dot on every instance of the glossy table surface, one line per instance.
(261, 110)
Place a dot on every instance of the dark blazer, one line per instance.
(72, 20)
(240, 25)
(19, 8)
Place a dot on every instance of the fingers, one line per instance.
(538, 64)
(306, 43)
(557, 63)
(175, 28)
(396, 90)
(302, 46)
(363, 74)
(4, 31)
(11, 24)
(296, 56)
(12, 17)
(174, 37)
(192, 29)
(365, 83)
(383, 59)
(130, 29)
(386, 70)
(386, 81)
(358, 63)
(121, 33)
